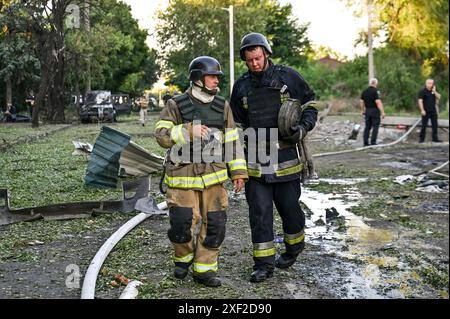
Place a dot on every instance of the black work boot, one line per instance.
(208, 279)
(259, 275)
(285, 260)
(181, 270)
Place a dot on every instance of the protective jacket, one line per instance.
(174, 130)
(256, 101)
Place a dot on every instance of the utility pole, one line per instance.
(370, 40)
(87, 28)
(230, 10)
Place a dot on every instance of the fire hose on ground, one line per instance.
(402, 138)
(90, 279)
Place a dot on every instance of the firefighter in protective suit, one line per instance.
(256, 100)
(199, 129)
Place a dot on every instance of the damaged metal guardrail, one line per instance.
(115, 154)
(139, 201)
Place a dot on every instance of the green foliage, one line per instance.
(17, 59)
(399, 72)
(400, 77)
(115, 47)
(191, 28)
(417, 47)
(417, 25)
(120, 59)
(320, 78)
(347, 80)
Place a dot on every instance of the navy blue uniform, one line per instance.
(255, 102)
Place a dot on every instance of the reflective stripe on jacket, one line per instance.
(171, 131)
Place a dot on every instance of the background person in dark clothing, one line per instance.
(428, 109)
(372, 108)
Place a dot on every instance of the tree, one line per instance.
(191, 28)
(129, 65)
(288, 37)
(419, 27)
(113, 49)
(17, 60)
(45, 21)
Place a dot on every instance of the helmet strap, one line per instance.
(204, 88)
(201, 93)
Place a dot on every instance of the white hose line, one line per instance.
(130, 291)
(439, 167)
(90, 279)
(404, 136)
(435, 171)
(439, 174)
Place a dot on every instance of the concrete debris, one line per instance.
(331, 213)
(432, 189)
(82, 148)
(439, 183)
(403, 179)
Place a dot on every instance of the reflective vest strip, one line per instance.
(237, 165)
(215, 178)
(197, 267)
(293, 241)
(289, 171)
(254, 172)
(312, 105)
(196, 182)
(164, 124)
(264, 252)
(177, 134)
(184, 182)
(231, 135)
(263, 246)
(184, 259)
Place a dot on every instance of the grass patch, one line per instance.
(15, 238)
(46, 172)
(437, 278)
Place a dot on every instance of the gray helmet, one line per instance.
(204, 65)
(252, 40)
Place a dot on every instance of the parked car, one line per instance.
(98, 107)
(122, 103)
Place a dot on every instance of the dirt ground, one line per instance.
(390, 239)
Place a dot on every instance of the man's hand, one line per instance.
(383, 115)
(299, 133)
(238, 185)
(423, 113)
(200, 131)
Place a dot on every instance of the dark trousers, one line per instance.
(434, 125)
(372, 123)
(260, 197)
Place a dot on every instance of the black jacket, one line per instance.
(275, 76)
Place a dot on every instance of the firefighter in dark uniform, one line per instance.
(256, 99)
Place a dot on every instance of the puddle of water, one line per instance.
(343, 181)
(357, 242)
